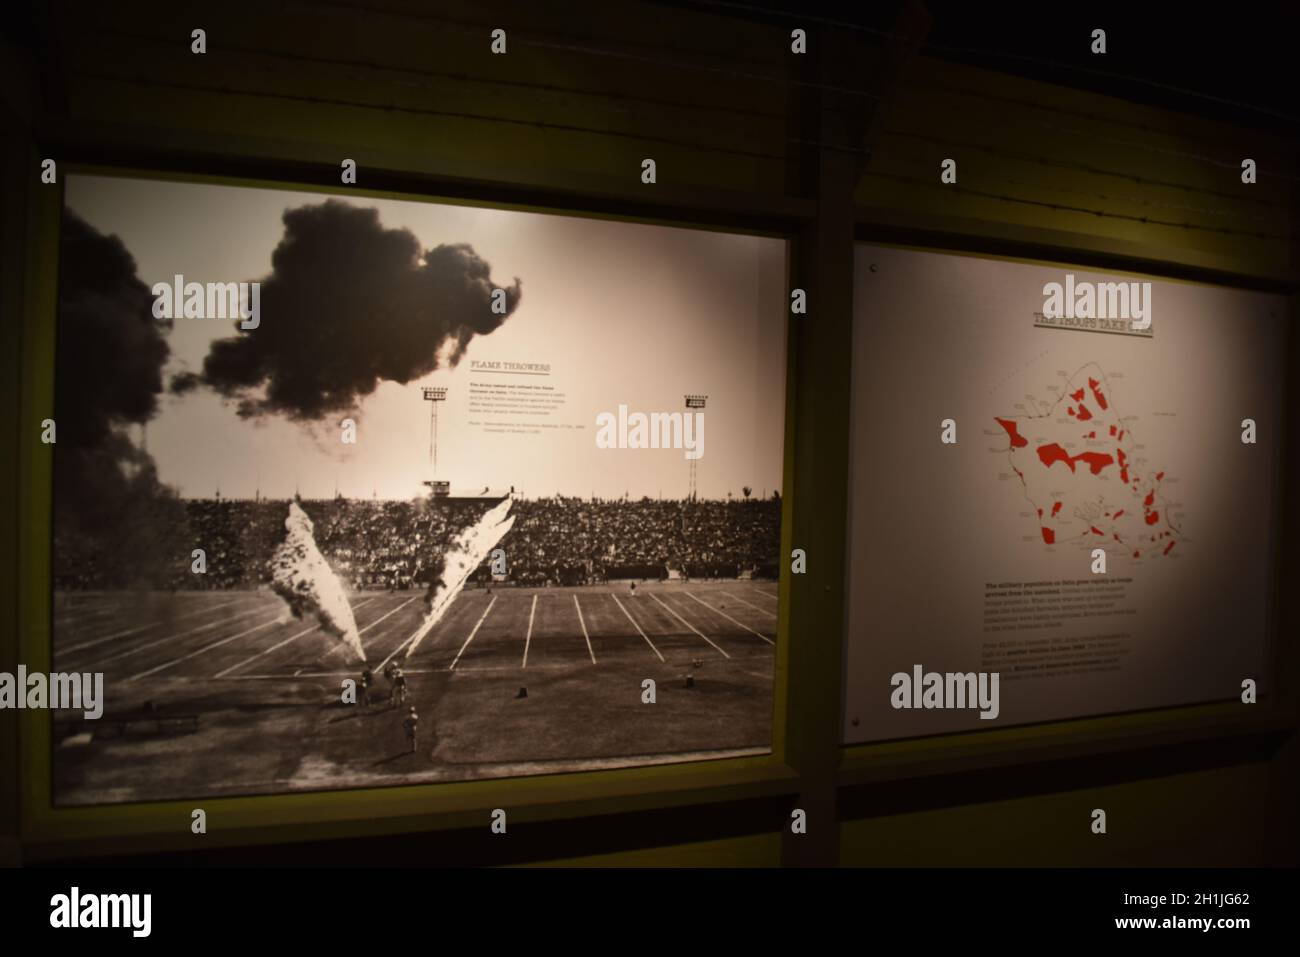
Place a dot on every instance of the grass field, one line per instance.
(211, 693)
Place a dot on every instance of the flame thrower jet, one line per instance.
(465, 553)
(301, 576)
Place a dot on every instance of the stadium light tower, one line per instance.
(694, 401)
(433, 396)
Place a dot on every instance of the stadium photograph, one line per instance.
(370, 492)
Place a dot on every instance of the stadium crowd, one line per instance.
(394, 544)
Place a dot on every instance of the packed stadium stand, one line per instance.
(394, 544)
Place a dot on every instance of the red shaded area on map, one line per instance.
(1053, 437)
(1018, 441)
(1095, 386)
(1096, 461)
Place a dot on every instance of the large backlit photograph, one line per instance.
(353, 492)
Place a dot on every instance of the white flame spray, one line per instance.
(465, 553)
(301, 576)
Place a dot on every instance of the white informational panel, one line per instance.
(1044, 490)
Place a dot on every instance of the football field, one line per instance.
(215, 693)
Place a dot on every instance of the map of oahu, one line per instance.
(1079, 470)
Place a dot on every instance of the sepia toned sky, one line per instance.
(623, 313)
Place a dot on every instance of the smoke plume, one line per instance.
(111, 349)
(108, 376)
(350, 303)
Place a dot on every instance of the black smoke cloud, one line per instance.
(114, 522)
(111, 349)
(349, 303)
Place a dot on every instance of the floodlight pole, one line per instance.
(434, 396)
(694, 401)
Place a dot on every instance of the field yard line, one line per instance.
(280, 644)
(765, 593)
(584, 628)
(686, 623)
(529, 637)
(389, 615)
(275, 647)
(307, 674)
(393, 654)
(132, 631)
(206, 648)
(636, 626)
(81, 614)
(479, 624)
(562, 667)
(743, 602)
(718, 611)
(183, 634)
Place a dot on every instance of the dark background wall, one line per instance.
(1132, 160)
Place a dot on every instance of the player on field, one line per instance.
(398, 695)
(367, 677)
(409, 725)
